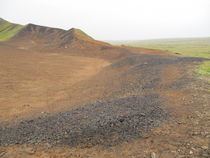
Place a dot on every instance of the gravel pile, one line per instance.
(107, 123)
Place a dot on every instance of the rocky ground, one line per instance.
(159, 109)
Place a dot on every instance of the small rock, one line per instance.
(29, 150)
(142, 114)
(195, 123)
(193, 148)
(191, 152)
(179, 122)
(153, 155)
(48, 145)
(26, 105)
(2, 153)
(204, 147)
(195, 133)
(206, 155)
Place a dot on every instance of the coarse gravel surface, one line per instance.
(106, 123)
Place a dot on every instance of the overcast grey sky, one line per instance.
(115, 19)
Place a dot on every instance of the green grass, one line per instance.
(204, 70)
(8, 30)
(195, 47)
(82, 34)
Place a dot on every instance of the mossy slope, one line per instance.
(8, 30)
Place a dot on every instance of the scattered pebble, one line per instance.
(29, 150)
(154, 155)
(204, 147)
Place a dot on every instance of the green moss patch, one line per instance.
(8, 30)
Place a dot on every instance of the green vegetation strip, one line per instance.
(83, 34)
(204, 70)
(8, 30)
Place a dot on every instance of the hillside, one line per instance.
(52, 36)
(8, 30)
(31, 36)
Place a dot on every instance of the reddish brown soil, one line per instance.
(40, 78)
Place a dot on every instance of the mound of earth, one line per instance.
(33, 36)
(122, 119)
(51, 36)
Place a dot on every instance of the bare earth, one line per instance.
(30, 82)
(102, 102)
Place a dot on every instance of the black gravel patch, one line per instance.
(150, 60)
(145, 72)
(106, 123)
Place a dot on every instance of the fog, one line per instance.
(115, 19)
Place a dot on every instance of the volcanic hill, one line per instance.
(32, 35)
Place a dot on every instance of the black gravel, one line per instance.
(144, 73)
(107, 123)
(150, 60)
